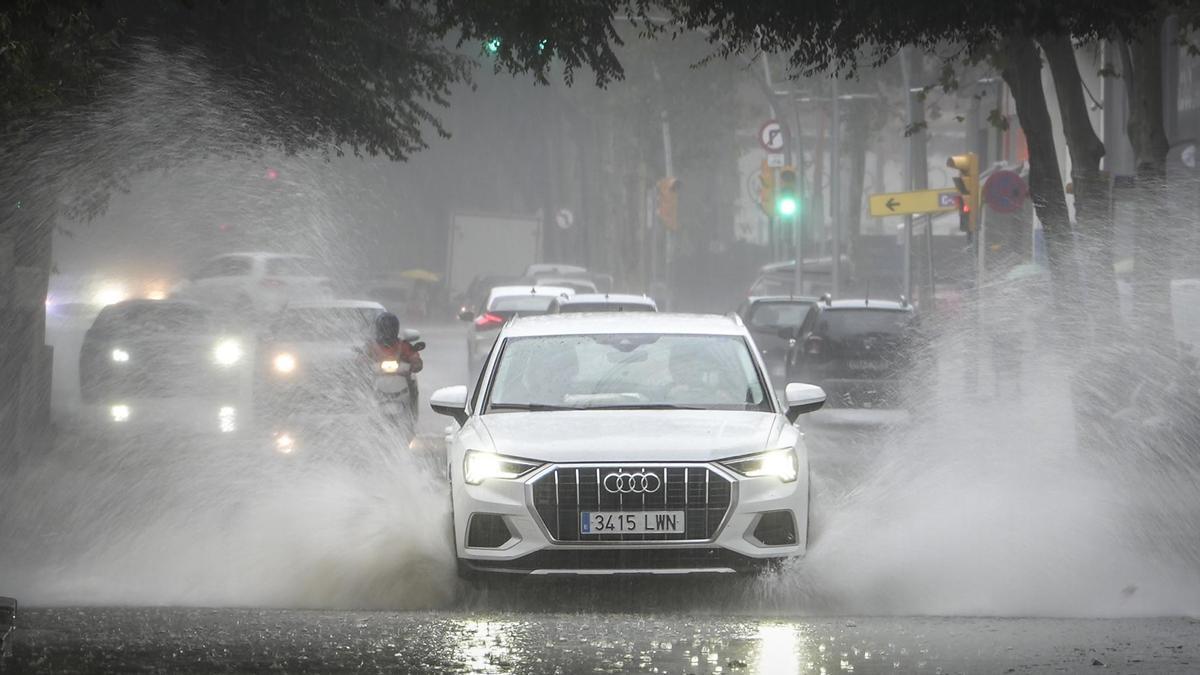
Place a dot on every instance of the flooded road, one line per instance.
(236, 640)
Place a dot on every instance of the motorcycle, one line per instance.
(395, 387)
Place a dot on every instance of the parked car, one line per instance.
(774, 322)
(859, 351)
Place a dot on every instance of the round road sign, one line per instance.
(770, 136)
(1005, 191)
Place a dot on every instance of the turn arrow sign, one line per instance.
(892, 204)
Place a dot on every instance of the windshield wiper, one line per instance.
(537, 407)
(645, 406)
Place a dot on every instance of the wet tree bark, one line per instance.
(1021, 66)
(1091, 186)
(1142, 57)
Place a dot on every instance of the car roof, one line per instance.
(867, 304)
(551, 280)
(781, 298)
(505, 291)
(335, 304)
(620, 322)
(555, 268)
(613, 298)
(259, 254)
(160, 304)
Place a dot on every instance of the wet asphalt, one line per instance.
(688, 626)
(71, 640)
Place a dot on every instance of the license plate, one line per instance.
(861, 364)
(626, 522)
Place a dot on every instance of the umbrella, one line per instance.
(420, 275)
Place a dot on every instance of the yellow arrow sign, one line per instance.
(919, 201)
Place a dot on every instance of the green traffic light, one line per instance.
(787, 206)
(492, 46)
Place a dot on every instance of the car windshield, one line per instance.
(607, 371)
(326, 323)
(776, 315)
(841, 323)
(521, 303)
(154, 318)
(294, 267)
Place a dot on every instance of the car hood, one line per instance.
(620, 435)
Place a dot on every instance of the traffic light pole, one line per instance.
(835, 187)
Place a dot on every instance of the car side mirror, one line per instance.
(452, 402)
(465, 315)
(802, 398)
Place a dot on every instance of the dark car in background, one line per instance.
(774, 321)
(160, 361)
(860, 352)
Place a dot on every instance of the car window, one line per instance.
(771, 316)
(231, 266)
(294, 267)
(521, 303)
(771, 285)
(842, 323)
(153, 318)
(627, 371)
(326, 323)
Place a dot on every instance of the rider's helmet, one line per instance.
(387, 328)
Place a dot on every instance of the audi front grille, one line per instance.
(561, 494)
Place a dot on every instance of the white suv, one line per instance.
(626, 444)
(263, 282)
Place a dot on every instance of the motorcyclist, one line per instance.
(388, 346)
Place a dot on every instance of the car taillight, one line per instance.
(273, 283)
(489, 320)
(813, 345)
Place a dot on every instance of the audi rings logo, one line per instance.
(632, 483)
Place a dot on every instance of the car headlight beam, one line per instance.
(120, 355)
(778, 463)
(227, 352)
(284, 363)
(481, 466)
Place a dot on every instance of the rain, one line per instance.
(447, 337)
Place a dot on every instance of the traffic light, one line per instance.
(766, 190)
(492, 46)
(967, 183)
(787, 203)
(668, 203)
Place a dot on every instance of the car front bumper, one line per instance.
(532, 550)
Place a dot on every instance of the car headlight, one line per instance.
(120, 355)
(389, 366)
(284, 363)
(778, 463)
(481, 466)
(227, 352)
(285, 443)
(119, 413)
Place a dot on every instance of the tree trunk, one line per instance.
(1022, 66)
(858, 129)
(1091, 185)
(1148, 136)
